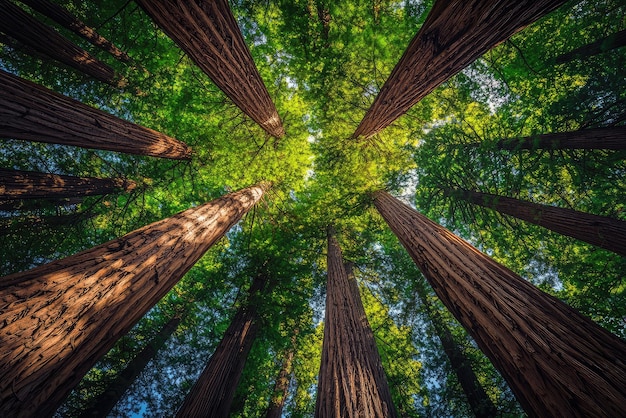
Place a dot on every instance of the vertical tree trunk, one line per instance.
(613, 41)
(279, 396)
(17, 184)
(479, 402)
(208, 33)
(103, 404)
(351, 381)
(598, 138)
(557, 362)
(454, 34)
(57, 320)
(33, 113)
(68, 21)
(607, 233)
(24, 28)
(212, 394)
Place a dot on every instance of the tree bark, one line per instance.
(454, 34)
(599, 138)
(600, 46)
(208, 33)
(281, 386)
(33, 113)
(557, 362)
(58, 319)
(24, 28)
(351, 381)
(607, 233)
(212, 394)
(103, 404)
(30, 205)
(17, 184)
(69, 21)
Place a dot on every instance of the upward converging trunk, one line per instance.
(351, 381)
(24, 28)
(607, 233)
(17, 184)
(454, 34)
(208, 33)
(33, 113)
(615, 40)
(598, 138)
(281, 386)
(57, 320)
(557, 362)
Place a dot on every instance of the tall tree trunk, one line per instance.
(103, 404)
(208, 33)
(24, 28)
(33, 113)
(607, 233)
(58, 319)
(557, 361)
(213, 393)
(17, 184)
(479, 402)
(454, 34)
(351, 381)
(30, 205)
(69, 21)
(608, 43)
(281, 386)
(598, 138)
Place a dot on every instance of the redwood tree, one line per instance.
(615, 40)
(17, 184)
(351, 380)
(557, 361)
(33, 113)
(454, 34)
(24, 28)
(607, 233)
(598, 138)
(281, 386)
(208, 32)
(58, 319)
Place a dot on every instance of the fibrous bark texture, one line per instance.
(57, 320)
(351, 381)
(69, 21)
(212, 394)
(281, 386)
(600, 46)
(607, 233)
(598, 138)
(208, 32)
(24, 28)
(556, 361)
(454, 34)
(16, 184)
(33, 113)
(103, 404)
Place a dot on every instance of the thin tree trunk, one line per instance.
(208, 33)
(30, 205)
(212, 394)
(607, 233)
(351, 381)
(103, 404)
(281, 386)
(17, 184)
(24, 28)
(557, 361)
(480, 404)
(33, 113)
(600, 46)
(57, 320)
(69, 21)
(454, 34)
(598, 138)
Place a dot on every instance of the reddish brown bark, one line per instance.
(454, 34)
(24, 28)
(212, 395)
(281, 386)
(557, 362)
(16, 184)
(208, 33)
(57, 320)
(33, 113)
(615, 40)
(599, 138)
(69, 21)
(351, 381)
(607, 233)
